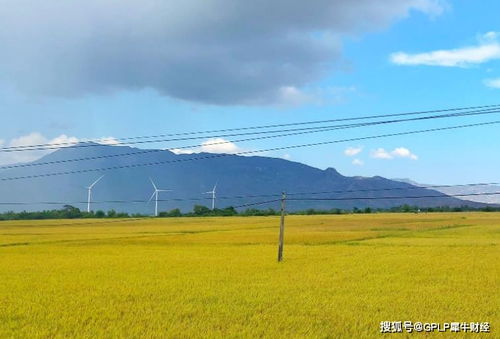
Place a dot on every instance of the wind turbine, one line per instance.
(213, 195)
(155, 194)
(89, 189)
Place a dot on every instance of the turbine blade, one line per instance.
(95, 182)
(152, 195)
(153, 184)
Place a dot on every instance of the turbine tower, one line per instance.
(212, 192)
(89, 189)
(155, 194)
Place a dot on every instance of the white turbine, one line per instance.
(212, 192)
(89, 189)
(155, 194)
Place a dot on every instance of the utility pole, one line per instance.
(282, 227)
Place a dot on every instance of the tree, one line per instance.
(100, 214)
(200, 210)
(71, 212)
(175, 213)
(227, 212)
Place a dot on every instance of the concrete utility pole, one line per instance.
(282, 227)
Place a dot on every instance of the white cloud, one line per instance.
(402, 152)
(108, 141)
(399, 152)
(63, 140)
(36, 138)
(488, 49)
(286, 156)
(213, 145)
(358, 162)
(182, 151)
(352, 151)
(381, 153)
(493, 83)
(219, 145)
(33, 138)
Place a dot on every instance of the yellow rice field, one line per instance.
(219, 278)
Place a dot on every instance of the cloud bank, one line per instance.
(213, 51)
(37, 138)
(33, 138)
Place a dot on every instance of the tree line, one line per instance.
(71, 212)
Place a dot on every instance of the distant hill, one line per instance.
(487, 199)
(236, 176)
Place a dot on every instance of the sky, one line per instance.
(105, 69)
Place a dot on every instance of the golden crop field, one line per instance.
(218, 277)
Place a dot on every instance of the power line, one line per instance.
(312, 129)
(255, 196)
(90, 142)
(397, 188)
(214, 156)
(292, 199)
(303, 131)
(256, 203)
(355, 199)
(396, 197)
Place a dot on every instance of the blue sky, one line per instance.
(350, 70)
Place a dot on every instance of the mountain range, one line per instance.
(463, 190)
(241, 180)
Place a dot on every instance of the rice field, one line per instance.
(219, 278)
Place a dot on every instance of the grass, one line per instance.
(218, 277)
